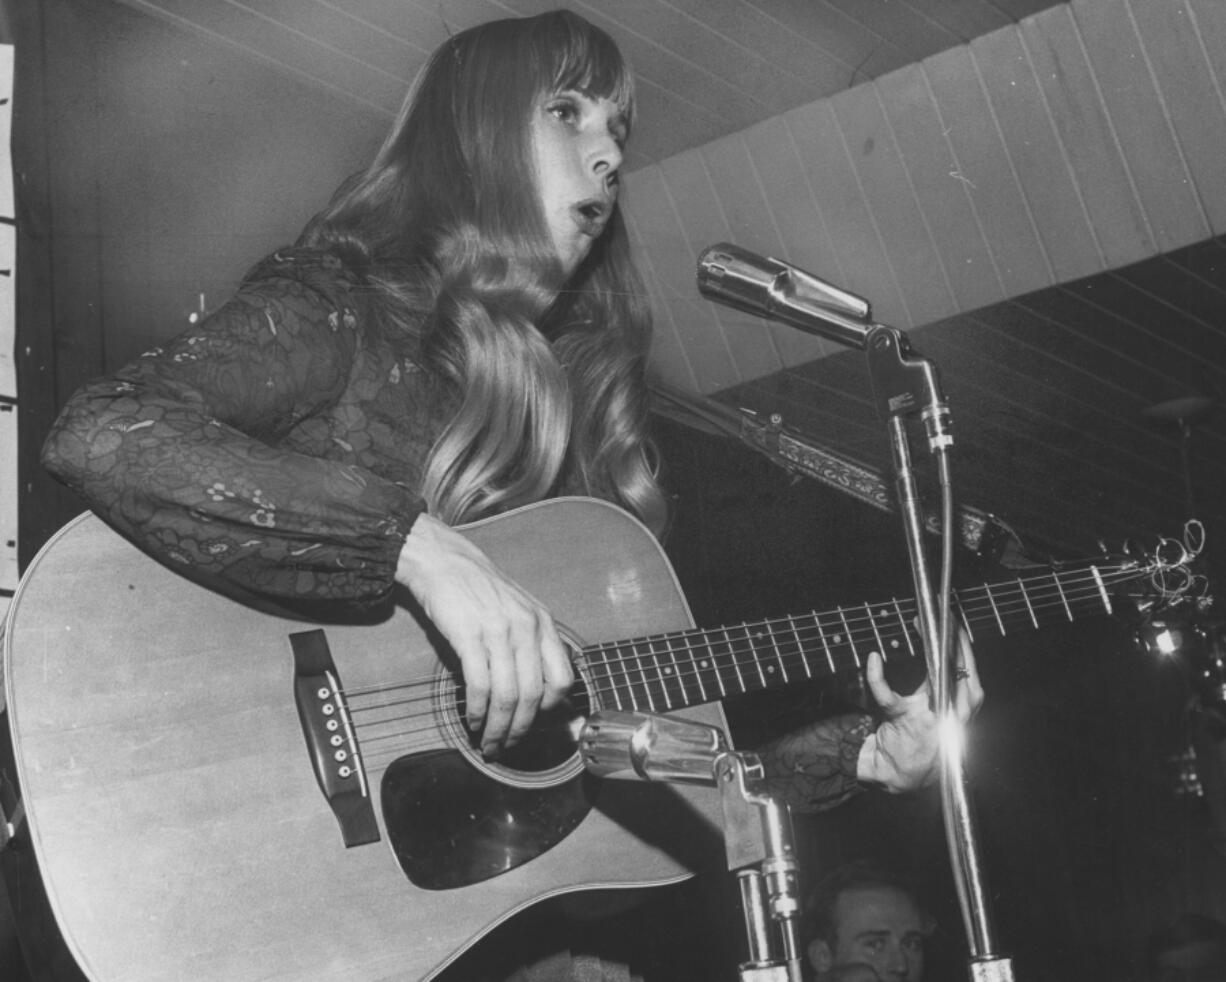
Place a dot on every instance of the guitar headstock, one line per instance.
(1166, 577)
(1177, 616)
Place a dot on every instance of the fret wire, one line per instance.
(1090, 594)
(851, 641)
(902, 623)
(656, 687)
(777, 648)
(1102, 589)
(995, 611)
(1088, 588)
(765, 654)
(680, 676)
(739, 677)
(1063, 599)
(604, 663)
(885, 617)
(752, 639)
(714, 661)
(761, 634)
(634, 703)
(825, 644)
(1030, 608)
(655, 657)
(960, 607)
(792, 647)
(800, 647)
(674, 688)
(877, 634)
(697, 670)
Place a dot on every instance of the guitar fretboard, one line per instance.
(688, 668)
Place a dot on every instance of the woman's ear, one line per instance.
(821, 958)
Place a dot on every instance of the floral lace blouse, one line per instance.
(277, 449)
(277, 446)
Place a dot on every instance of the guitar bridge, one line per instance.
(331, 739)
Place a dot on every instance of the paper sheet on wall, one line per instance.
(8, 257)
(6, 127)
(8, 338)
(8, 499)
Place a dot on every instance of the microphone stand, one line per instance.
(770, 894)
(757, 827)
(905, 385)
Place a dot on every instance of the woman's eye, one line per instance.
(566, 112)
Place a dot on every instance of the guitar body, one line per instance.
(178, 823)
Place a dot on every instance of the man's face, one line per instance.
(875, 926)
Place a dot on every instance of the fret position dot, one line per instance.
(838, 639)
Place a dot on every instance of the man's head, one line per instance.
(1191, 948)
(865, 915)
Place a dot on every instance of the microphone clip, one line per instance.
(907, 384)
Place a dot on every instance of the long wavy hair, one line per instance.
(445, 224)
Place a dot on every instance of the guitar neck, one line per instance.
(688, 668)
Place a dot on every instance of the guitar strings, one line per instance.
(1045, 592)
(1073, 594)
(795, 640)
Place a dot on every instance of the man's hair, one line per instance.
(819, 919)
(1185, 930)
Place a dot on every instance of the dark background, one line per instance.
(131, 209)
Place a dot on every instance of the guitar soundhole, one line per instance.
(455, 818)
(547, 754)
(552, 741)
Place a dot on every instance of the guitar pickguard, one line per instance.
(451, 826)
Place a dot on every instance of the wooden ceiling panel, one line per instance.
(1052, 396)
(966, 21)
(906, 27)
(1049, 389)
(733, 61)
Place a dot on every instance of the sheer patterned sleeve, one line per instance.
(179, 451)
(814, 768)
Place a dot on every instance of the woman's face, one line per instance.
(577, 145)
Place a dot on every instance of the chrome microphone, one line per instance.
(645, 746)
(777, 291)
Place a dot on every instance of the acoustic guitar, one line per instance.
(219, 794)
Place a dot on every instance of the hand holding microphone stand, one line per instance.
(905, 386)
(757, 827)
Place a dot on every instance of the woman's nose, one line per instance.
(606, 156)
